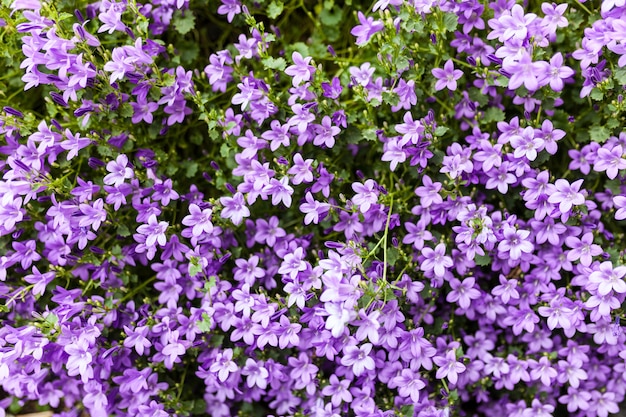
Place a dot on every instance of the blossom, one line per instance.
(119, 171)
(463, 292)
(224, 364)
(79, 360)
(199, 219)
(39, 280)
(449, 367)
(154, 231)
(583, 248)
(446, 77)
(300, 71)
(366, 194)
(313, 209)
(367, 27)
(358, 358)
(620, 203)
(567, 195)
(256, 374)
(234, 208)
(436, 260)
(609, 279)
(515, 242)
(610, 161)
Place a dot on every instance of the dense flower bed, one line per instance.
(312, 208)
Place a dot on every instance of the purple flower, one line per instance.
(224, 364)
(449, 367)
(463, 292)
(366, 29)
(199, 220)
(409, 384)
(526, 144)
(567, 195)
(582, 249)
(39, 280)
(515, 242)
(325, 133)
(446, 77)
(256, 374)
(516, 24)
(610, 161)
(524, 71)
(358, 358)
(436, 260)
(366, 194)
(300, 71)
(74, 143)
(620, 203)
(79, 360)
(338, 390)
(154, 231)
(394, 152)
(313, 209)
(119, 171)
(609, 279)
(234, 208)
(230, 8)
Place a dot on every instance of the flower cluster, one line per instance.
(410, 208)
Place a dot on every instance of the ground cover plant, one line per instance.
(312, 208)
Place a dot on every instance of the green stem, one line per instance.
(137, 289)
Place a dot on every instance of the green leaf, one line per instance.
(205, 324)
(194, 267)
(596, 94)
(620, 75)
(599, 134)
(185, 24)
(370, 134)
(331, 18)
(275, 9)
(392, 256)
(450, 22)
(122, 230)
(210, 283)
(493, 114)
(274, 63)
(482, 260)
(441, 130)
(126, 110)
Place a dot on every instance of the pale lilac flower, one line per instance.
(234, 208)
(154, 231)
(119, 171)
(515, 242)
(39, 280)
(567, 195)
(620, 204)
(358, 358)
(256, 373)
(449, 367)
(199, 220)
(446, 77)
(300, 71)
(463, 292)
(609, 279)
(366, 194)
(583, 248)
(393, 152)
(368, 27)
(436, 260)
(313, 209)
(224, 364)
(610, 161)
